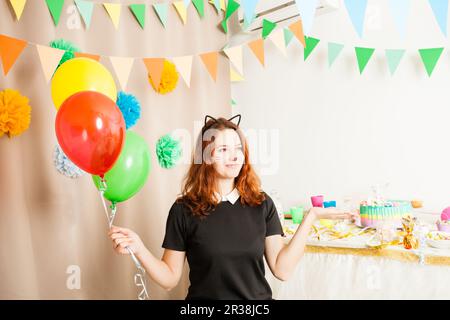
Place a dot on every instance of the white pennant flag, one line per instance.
(122, 66)
(235, 56)
(277, 37)
(50, 58)
(184, 66)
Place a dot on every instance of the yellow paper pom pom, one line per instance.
(169, 78)
(15, 113)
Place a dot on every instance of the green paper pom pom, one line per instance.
(68, 46)
(168, 151)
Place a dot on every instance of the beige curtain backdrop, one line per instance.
(51, 225)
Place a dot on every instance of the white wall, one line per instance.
(341, 132)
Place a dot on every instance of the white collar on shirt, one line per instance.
(231, 197)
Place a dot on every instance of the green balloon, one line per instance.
(130, 172)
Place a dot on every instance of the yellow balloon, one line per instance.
(81, 74)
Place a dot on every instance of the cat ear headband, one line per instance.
(215, 120)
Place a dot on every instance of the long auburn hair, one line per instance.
(200, 181)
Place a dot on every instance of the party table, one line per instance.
(352, 268)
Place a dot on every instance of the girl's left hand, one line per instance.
(331, 213)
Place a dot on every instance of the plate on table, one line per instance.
(438, 239)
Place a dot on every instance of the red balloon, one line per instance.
(91, 131)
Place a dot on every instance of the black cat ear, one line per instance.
(238, 121)
(208, 116)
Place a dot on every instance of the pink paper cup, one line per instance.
(317, 201)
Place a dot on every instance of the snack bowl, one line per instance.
(443, 225)
(438, 239)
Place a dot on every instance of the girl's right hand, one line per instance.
(123, 238)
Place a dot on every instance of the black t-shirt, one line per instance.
(225, 250)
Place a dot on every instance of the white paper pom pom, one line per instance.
(64, 165)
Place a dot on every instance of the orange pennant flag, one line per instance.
(297, 30)
(210, 61)
(87, 55)
(257, 47)
(10, 50)
(155, 67)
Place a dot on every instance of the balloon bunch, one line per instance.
(91, 130)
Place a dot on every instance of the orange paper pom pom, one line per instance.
(169, 78)
(15, 113)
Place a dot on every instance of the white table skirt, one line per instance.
(336, 276)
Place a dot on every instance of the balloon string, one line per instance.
(139, 277)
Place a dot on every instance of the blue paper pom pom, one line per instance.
(130, 107)
(64, 165)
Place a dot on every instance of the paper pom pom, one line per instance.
(68, 46)
(15, 113)
(130, 107)
(169, 78)
(64, 165)
(168, 151)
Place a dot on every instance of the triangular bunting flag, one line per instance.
(184, 67)
(155, 67)
(233, 103)
(357, 11)
(187, 3)
(235, 76)
(235, 56)
(87, 55)
(139, 13)
(85, 8)
(181, 9)
(311, 43)
(257, 47)
(113, 10)
(217, 4)
(10, 50)
(55, 7)
(394, 56)
(267, 27)
(161, 10)
(288, 35)
(18, 6)
(363, 56)
(122, 66)
(334, 49)
(297, 29)
(400, 10)
(277, 37)
(210, 61)
(50, 58)
(231, 8)
(440, 10)
(200, 7)
(249, 7)
(430, 58)
(307, 10)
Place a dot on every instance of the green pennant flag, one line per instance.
(199, 5)
(233, 103)
(394, 56)
(85, 8)
(363, 55)
(232, 6)
(55, 7)
(161, 11)
(311, 43)
(267, 28)
(288, 35)
(139, 12)
(334, 49)
(430, 58)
